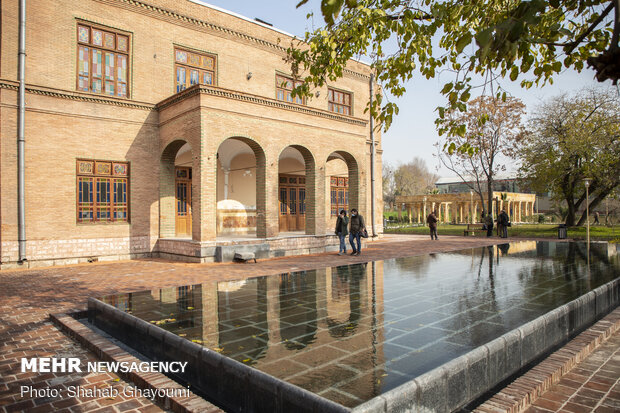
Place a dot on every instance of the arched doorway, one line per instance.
(295, 188)
(240, 180)
(176, 191)
(341, 186)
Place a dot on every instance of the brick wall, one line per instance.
(63, 124)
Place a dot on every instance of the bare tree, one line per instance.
(388, 185)
(413, 178)
(494, 127)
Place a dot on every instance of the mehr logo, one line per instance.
(72, 364)
(51, 365)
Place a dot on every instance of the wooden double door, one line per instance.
(292, 200)
(183, 201)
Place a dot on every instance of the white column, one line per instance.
(226, 172)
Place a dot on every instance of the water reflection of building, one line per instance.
(289, 324)
(293, 326)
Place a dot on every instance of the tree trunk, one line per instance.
(597, 200)
(490, 196)
(570, 214)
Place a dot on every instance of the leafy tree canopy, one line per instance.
(574, 137)
(480, 41)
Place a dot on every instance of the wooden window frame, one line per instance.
(339, 106)
(338, 183)
(94, 175)
(189, 67)
(283, 92)
(103, 49)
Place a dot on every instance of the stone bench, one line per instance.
(244, 257)
(473, 228)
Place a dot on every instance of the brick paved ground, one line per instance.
(592, 386)
(27, 297)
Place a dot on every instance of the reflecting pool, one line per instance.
(352, 332)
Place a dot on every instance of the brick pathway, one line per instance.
(27, 297)
(592, 386)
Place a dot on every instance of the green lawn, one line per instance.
(521, 230)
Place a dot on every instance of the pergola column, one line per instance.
(409, 212)
(399, 210)
(418, 208)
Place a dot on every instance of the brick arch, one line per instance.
(354, 177)
(261, 181)
(166, 188)
(314, 224)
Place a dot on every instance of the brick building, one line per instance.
(166, 128)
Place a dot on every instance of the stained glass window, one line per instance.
(284, 87)
(339, 102)
(123, 43)
(97, 37)
(193, 68)
(102, 188)
(103, 61)
(339, 194)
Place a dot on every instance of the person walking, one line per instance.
(502, 223)
(488, 223)
(356, 226)
(596, 218)
(342, 225)
(431, 220)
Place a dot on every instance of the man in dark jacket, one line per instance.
(488, 223)
(431, 220)
(356, 226)
(342, 224)
(502, 223)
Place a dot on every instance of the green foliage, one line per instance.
(482, 39)
(574, 137)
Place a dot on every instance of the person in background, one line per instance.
(596, 218)
(502, 223)
(488, 223)
(431, 220)
(342, 225)
(356, 226)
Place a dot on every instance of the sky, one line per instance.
(413, 131)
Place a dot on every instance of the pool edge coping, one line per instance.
(430, 391)
(527, 388)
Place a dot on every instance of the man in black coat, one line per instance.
(356, 226)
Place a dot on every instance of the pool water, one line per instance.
(352, 332)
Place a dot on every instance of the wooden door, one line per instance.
(292, 209)
(183, 198)
(283, 198)
(292, 200)
(301, 207)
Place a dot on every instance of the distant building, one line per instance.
(503, 183)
